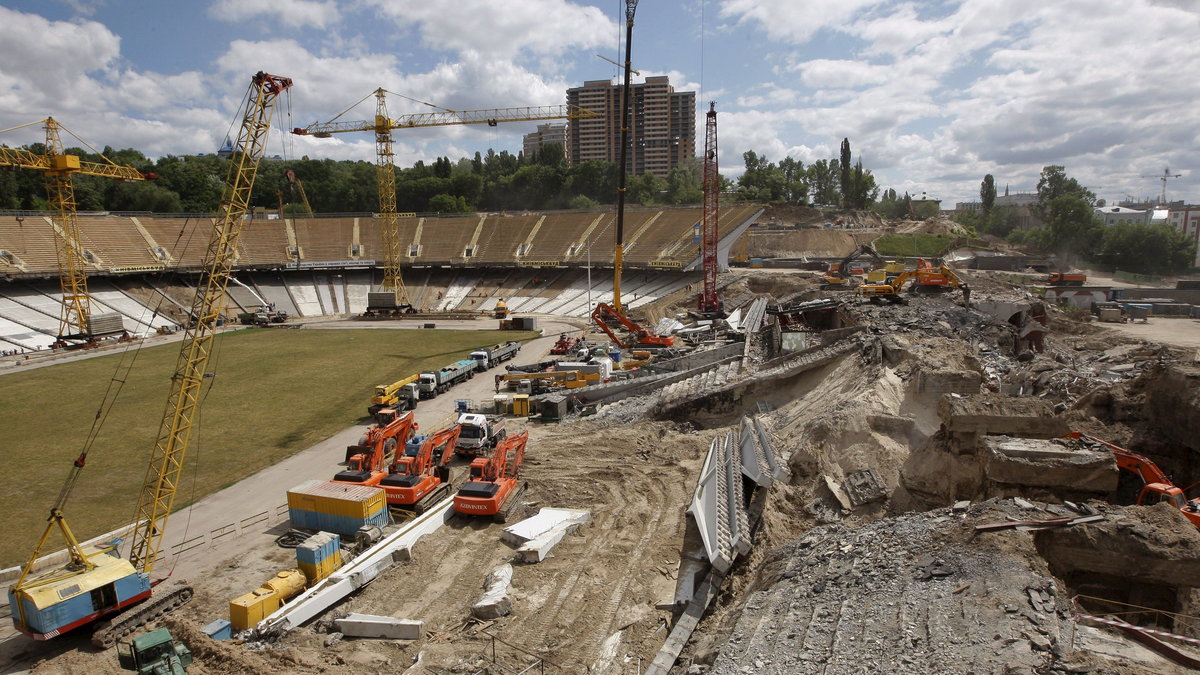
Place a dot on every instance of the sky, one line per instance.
(933, 94)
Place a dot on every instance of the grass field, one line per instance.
(272, 393)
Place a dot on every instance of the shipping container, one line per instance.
(341, 508)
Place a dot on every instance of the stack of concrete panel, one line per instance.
(719, 503)
(319, 556)
(336, 507)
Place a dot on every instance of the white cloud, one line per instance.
(503, 30)
(793, 21)
(316, 13)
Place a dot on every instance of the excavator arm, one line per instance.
(519, 441)
(604, 312)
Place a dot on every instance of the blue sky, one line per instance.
(932, 94)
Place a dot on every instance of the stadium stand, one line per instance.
(535, 262)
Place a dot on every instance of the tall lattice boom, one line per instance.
(709, 302)
(183, 404)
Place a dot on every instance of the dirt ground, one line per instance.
(594, 606)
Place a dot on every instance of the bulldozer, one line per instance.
(155, 653)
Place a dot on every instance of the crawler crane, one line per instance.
(422, 479)
(97, 582)
(494, 487)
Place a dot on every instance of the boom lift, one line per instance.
(422, 479)
(96, 582)
(494, 487)
(385, 165)
(367, 463)
(639, 336)
(75, 316)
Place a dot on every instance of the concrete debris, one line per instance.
(495, 602)
(373, 626)
(864, 486)
(537, 535)
(1049, 464)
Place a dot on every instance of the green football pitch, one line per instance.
(270, 393)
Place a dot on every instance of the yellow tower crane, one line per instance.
(385, 163)
(96, 583)
(75, 316)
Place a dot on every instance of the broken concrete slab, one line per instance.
(993, 414)
(544, 521)
(375, 626)
(938, 382)
(1041, 463)
(536, 550)
(495, 602)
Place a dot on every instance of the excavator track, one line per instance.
(165, 601)
(423, 504)
(512, 506)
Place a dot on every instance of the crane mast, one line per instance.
(709, 302)
(166, 460)
(76, 312)
(389, 225)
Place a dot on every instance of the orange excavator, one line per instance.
(494, 487)
(638, 336)
(1156, 486)
(367, 463)
(422, 478)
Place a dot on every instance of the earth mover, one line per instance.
(420, 477)
(494, 486)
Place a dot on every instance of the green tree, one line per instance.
(1148, 249)
(862, 189)
(444, 203)
(1054, 183)
(987, 192)
(646, 189)
(823, 181)
(582, 202)
(795, 181)
(683, 184)
(1074, 231)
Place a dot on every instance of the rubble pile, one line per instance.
(921, 593)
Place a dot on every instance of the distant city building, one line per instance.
(1186, 219)
(662, 131)
(546, 134)
(1111, 215)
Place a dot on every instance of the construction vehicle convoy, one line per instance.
(489, 357)
(1152, 485)
(155, 653)
(926, 278)
(479, 433)
(420, 477)
(494, 486)
(433, 382)
(368, 462)
(96, 583)
(402, 394)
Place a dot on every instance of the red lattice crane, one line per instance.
(709, 303)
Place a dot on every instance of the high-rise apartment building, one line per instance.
(662, 130)
(546, 134)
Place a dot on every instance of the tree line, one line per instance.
(1071, 229)
(488, 181)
